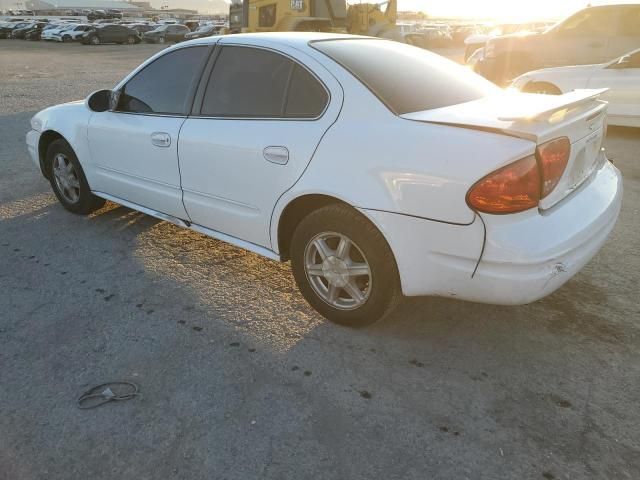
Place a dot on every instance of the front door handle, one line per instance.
(278, 155)
(161, 139)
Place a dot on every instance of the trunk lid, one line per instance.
(577, 115)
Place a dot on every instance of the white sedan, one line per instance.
(71, 34)
(621, 76)
(379, 169)
(53, 33)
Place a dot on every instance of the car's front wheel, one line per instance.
(95, 40)
(68, 180)
(66, 39)
(131, 39)
(344, 267)
(161, 39)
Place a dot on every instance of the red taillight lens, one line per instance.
(511, 189)
(553, 157)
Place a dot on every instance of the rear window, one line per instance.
(405, 78)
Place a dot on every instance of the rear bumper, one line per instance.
(526, 256)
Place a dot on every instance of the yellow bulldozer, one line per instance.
(312, 15)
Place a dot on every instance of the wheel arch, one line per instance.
(299, 207)
(47, 138)
(528, 87)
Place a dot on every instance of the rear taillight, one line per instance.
(553, 157)
(521, 185)
(511, 189)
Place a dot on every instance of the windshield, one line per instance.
(405, 78)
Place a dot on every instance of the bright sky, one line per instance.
(501, 9)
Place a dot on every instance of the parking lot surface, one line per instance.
(240, 379)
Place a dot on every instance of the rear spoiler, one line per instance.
(524, 115)
(548, 104)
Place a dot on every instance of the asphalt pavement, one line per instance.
(240, 379)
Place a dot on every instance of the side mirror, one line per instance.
(99, 101)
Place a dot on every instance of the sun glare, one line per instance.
(499, 10)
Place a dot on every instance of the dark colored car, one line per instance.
(108, 14)
(593, 35)
(110, 34)
(5, 30)
(166, 33)
(142, 27)
(35, 33)
(204, 31)
(21, 33)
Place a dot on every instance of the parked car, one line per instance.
(19, 33)
(166, 33)
(110, 34)
(7, 28)
(73, 34)
(593, 35)
(141, 27)
(51, 33)
(203, 31)
(476, 40)
(621, 76)
(100, 14)
(423, 180)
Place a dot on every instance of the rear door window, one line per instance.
(256, 83)
(247, 82)
(306, 97)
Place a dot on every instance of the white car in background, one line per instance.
(71, 34)
(51, 33)
(378, 168)
(621, 77)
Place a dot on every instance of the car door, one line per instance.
(623, 80)
(581, 39)
(134, 147)
(255, 127)
(170, 34)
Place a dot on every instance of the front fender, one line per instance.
(69, 121)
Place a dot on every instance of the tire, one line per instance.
(161, 39)
(95, 40)
(373, 268)
(542, 88)
(131, 39)
(81, 201)
(66, 39)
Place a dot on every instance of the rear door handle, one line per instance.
(161, 139)
(278, 155)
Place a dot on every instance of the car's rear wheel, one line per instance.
(95, 40)
(542, 87)
(131, 39)
(161, 39)
(66, 39)
(344, 267)
(68, 180)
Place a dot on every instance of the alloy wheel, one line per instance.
(66, 178)
(337, 270)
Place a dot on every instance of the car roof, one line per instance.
(294, 39)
